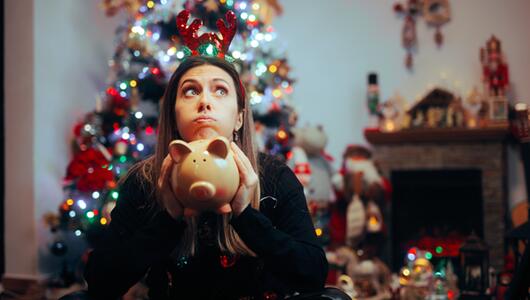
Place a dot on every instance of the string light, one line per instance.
(70, 202)
(133, 83)
(81, 204)
(138, 114)
(95, 195)
(115, 195)
(103, 221)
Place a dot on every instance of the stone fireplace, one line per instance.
(467, 167)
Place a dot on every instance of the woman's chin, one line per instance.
(205, 133)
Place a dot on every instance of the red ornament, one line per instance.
(228, 261)
(87, 169)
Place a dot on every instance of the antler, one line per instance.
(188, 33)
(227, 32)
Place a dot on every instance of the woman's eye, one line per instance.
(221, 91)
(190, 92)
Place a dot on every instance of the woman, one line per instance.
(265, 249)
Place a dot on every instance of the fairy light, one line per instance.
(115, 195)
(81, 204)
(133, 83)
(95, 195)
(138, 30)
(318, 231)
(70, 202)
(180, 55)
(103, 221)
(77, 232)
(90, 214)
(273, 68)
(411, 256)
(138, 114)
(125, 136)
(252, 18)
(428, 255)
(140, 147)
(150, 4)
(171, 51)
(242, 5)
(254, 44)
(72, 214)
(255, 6)
(236, 54)
(244, 15)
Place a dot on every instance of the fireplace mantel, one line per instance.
(434, 135)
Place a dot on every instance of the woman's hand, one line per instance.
(169, 200)
(248, 181)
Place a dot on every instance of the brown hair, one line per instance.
(149, 169)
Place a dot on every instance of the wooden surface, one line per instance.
(437, 135)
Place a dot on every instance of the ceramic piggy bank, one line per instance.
(205, 176)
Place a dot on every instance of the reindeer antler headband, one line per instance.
(208, 44)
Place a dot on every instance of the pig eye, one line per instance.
(204, 159)
(194, 160)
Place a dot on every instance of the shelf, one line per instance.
(438, 135)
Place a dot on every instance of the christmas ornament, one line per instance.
(435, 12)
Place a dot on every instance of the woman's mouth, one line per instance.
(203, 119)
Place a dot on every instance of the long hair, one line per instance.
(228, 240)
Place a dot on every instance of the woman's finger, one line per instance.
(243, 156)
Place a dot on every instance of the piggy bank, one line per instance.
(205, 176)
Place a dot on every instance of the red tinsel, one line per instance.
(87, 168)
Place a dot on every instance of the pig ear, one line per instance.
(178, 150)
(219, 147)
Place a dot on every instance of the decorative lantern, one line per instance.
(474, 261)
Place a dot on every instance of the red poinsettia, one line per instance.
(89, 169)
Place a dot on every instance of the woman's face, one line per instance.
(206, 104)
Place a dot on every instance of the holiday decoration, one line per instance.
(438, 109)
(474, 258)
(435, 12)
(372, 99)
(312, 166)
(496, 79)
(367, 193)
(122, 128)
(208, 44)
(205, 176)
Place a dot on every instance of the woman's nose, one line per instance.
(205, 102)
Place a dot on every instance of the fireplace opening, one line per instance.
(434, 210)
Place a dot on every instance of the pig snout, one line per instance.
(202, 190)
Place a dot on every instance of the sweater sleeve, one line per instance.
(289, 247)
(134, 240)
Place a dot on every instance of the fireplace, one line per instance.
(435, 210)
(444, 179)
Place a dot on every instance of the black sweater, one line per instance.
(141, 238)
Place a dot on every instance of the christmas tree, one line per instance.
(122, 128)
